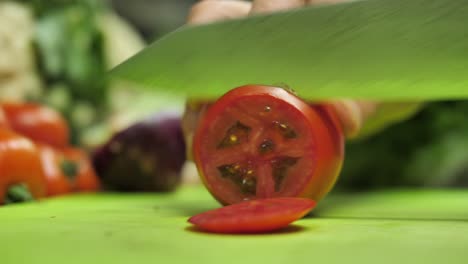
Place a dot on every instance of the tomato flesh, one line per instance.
(255, 216)
(262, 142)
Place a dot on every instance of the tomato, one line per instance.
(254, 216)
(39, 123)
(21, 175)
(262, 142)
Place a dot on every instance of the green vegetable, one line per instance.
(17, 194)
(70, 50)
(69, 47)
(426, 150)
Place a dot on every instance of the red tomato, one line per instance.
(254, 216)
(39, 123)
(262, 142)
(20, 165)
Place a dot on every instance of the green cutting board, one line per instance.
(405, 226)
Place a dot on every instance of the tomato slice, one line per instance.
(262, 142)
(254, 216)
(39, 123)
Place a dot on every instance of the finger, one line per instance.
(212, 10)
(368, 108)
(267, 6)
(194, 111)
(319, 2)
(352, 114)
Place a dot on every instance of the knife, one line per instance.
(369, 49)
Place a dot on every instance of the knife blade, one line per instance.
(369, 49)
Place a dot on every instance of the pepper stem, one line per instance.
(18, 193)
(69, 169)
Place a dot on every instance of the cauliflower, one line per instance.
(18, 76)
(128, 103)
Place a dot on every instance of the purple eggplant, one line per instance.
(146, 157)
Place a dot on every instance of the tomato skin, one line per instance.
(255, 216)
(20, 163)
(39, 123)
(334, 153)
(318, 122)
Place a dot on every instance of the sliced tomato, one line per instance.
(254, 216)
(262, 142)
(39, 123)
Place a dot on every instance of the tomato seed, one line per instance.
(285, 130)
(228, 171)
(266, 146)
(249, 185)
(236, 134)
(243, 177)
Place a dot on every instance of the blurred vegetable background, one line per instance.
(430, 149)
(56, 52)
